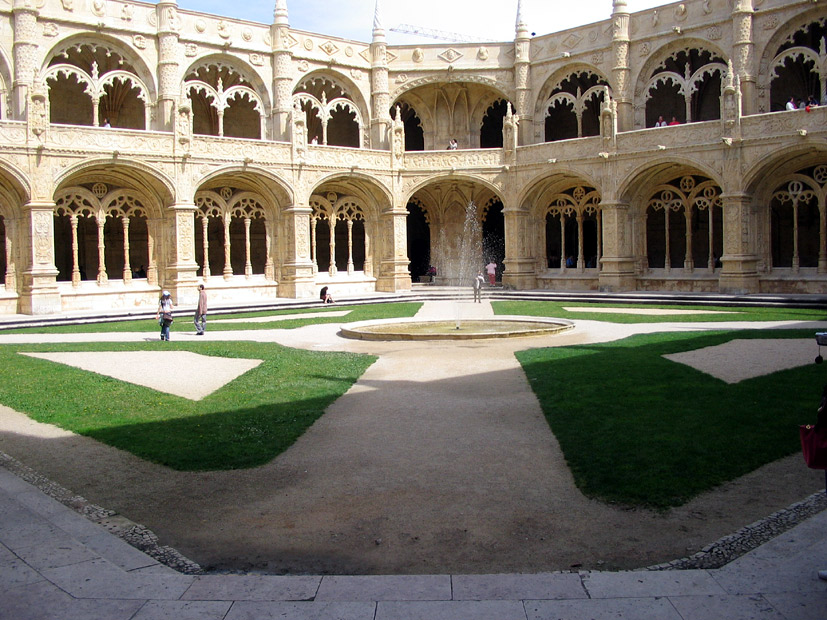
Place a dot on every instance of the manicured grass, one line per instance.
(733, 313)
(244, 424)
(640, 430)
(183, 321)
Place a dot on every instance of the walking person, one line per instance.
(201, 312)
(478, 281)
(491, 269)
(164, 315)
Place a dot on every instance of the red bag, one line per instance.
(814, 445)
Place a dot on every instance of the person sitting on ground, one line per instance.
(326, 297)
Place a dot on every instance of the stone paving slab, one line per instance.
(631, 584)
(302, 611)
(605, 609)
(102, 579)
(252, 588)
(518, 587)
(741, 607)
(385, 587)
(450, 610)
(799, 606)
(183, 610)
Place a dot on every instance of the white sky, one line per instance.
(488, 20)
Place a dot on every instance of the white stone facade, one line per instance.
(145, 147)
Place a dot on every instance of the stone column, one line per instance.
(169, 78)
(24, 16)
(743, 53)
(519, 266)
(739, 274)
(393, 264)
(618, 261)
(522, 79)
(297, 280)
(38, 292)
(282, 80)
(380, 121)
(621, 71)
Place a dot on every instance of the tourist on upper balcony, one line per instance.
(661, 122)
(106, 123)
(812, 101)
(674, 121)
(791, 104)
(452, 145)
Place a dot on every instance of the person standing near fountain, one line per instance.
(491, 269)
(478, 287)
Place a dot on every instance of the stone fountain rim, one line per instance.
(555, 325)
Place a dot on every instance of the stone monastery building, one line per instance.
(144, 147)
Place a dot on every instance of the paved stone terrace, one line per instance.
(56, 563)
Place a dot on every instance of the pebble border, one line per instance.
(715, 555)
(133, 533)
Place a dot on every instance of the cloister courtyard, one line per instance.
(273, 444)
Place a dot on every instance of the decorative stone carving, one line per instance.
(329, 48)
(308, 44)
(356, 74)
(139, 41)
(200, 26)
(68, 5)
(349, 51)
(247, 35)
(256, 59)
(127, 12)
(50, 29)
(223, 29)
(482, 53)
(418, 55)
(303, 66)
(713, 33)
(99, 7)
(190, 50)
(450, 55)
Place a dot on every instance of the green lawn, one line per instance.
(640, 430)
(732, 313)
(244, 424)
(183, 321)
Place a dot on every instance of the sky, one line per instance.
(353, 19)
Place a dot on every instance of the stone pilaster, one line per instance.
(743, 53)
(393, 265)
(179, 275)
(519, 266)
(24, 15)
(38, 291)
(621, 69)
(618, 260)
(297, 280)
(169, 78)
(739, 274)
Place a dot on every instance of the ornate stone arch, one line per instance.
(689, 66)
(93, 214)
(790, 45)
(228, 98)
(108, 72)
(328, 99)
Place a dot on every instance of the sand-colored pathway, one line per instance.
(438, 460)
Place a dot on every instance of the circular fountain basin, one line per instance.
(467, 329)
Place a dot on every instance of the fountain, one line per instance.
(463, 266)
